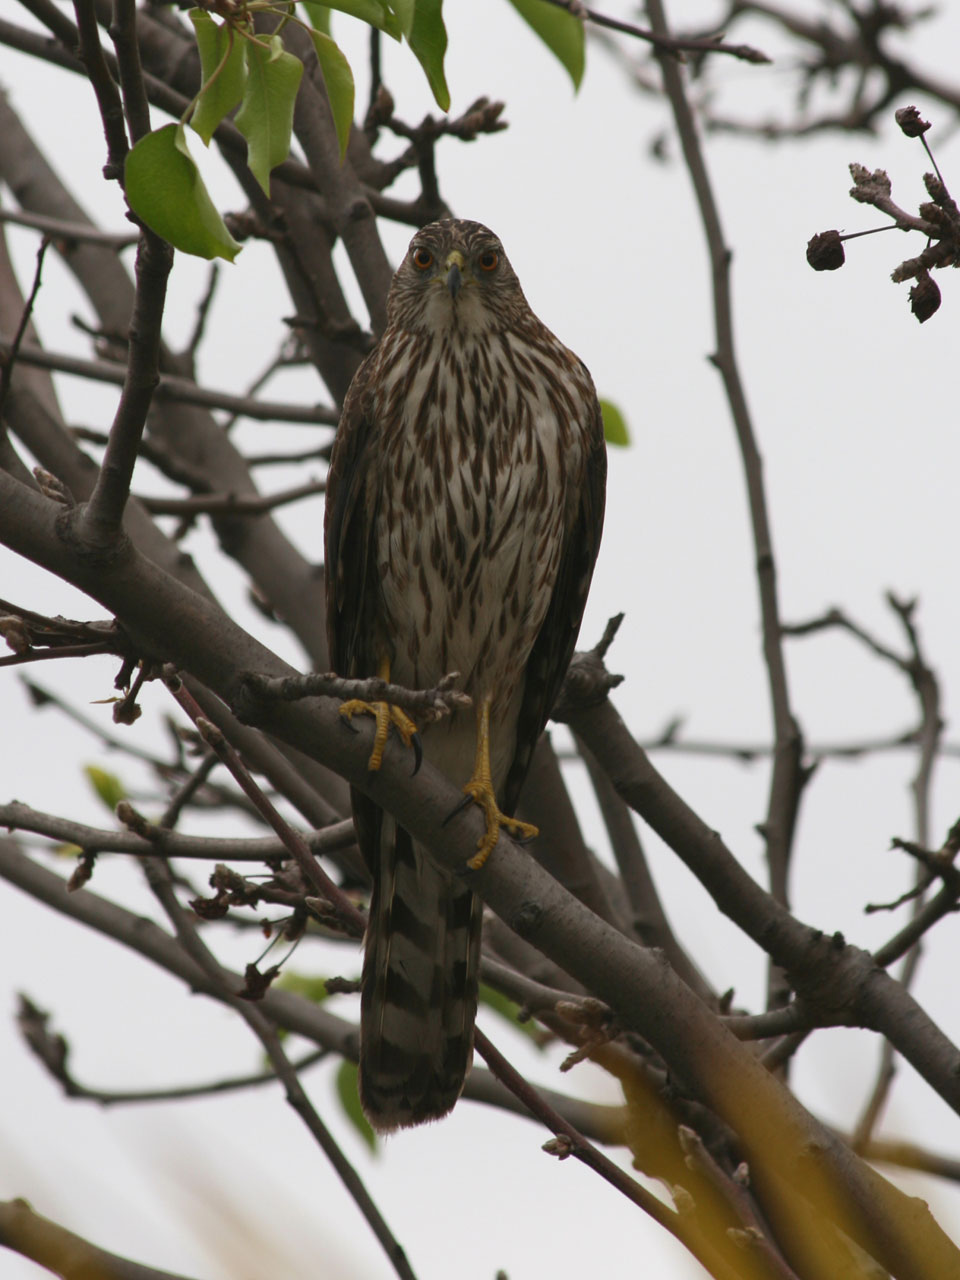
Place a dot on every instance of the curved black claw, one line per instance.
(348, 724)
(457, 809)
(417, 754)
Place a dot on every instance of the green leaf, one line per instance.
(614, 424)
(303, 984)
(349, 1096)
(375, 12)
(318, 15)
(107, 786)
(338, 79)
(265, 117)
(222, 84)
(165, 189)
(507, 1009)
(428, 40)
(559, 30)
(406, 12)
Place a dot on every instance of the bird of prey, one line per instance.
(464, 505)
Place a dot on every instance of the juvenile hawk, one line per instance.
(463, 515)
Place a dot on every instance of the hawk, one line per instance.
(464, 505)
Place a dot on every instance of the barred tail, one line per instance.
(420, 974)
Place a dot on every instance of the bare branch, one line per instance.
(8, 365)
(353, 920)
(675, 45)
(123, 32)
(145, 839)
(71, 232)
(240, 504)
(70, 1256)
(868, 1001)
(52, 1050)
(86, 39)
(427, 704)
(161, 883)
(787, 777)
(572, 1143)
(171, 387)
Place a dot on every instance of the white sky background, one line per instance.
(855, 409)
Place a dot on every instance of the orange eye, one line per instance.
(422, 259)
(490, 260)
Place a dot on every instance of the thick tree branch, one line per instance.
(840, 982)
(645, 995)
(64, 1253)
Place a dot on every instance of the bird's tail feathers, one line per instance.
(420, 976)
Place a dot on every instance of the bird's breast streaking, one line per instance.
(475, 459)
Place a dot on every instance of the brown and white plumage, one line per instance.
(464, 509)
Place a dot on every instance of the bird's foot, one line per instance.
(481, 793)
(385, 714)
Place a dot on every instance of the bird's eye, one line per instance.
(422, 259)
(490, 260)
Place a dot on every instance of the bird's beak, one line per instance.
(454, 269)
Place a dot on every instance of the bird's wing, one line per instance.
(557, 637)
(349, 524)
(350, 563)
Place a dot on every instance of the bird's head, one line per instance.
(455, 276)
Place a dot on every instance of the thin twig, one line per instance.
(203, 312)
(570, 1142)
(123, 32)
(927, 691)
(650, 923)
(6, 372)
(53, 1051)
(233, 504)
(352, 919)
(750, 752)
(175, 388)
(675, 45)
(186, 792)
(104, 86)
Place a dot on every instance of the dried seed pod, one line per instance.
(825, 251)
(924, 297)
(911, 122)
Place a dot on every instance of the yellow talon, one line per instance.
(385, 714)
(480, 791)
(485, 798)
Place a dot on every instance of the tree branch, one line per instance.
(172, 387)
(160, 881)
(787, 778)
(642, 991)
(69, 1256)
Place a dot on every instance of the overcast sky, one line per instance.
(855, 409)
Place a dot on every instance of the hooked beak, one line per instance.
(454, 268)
